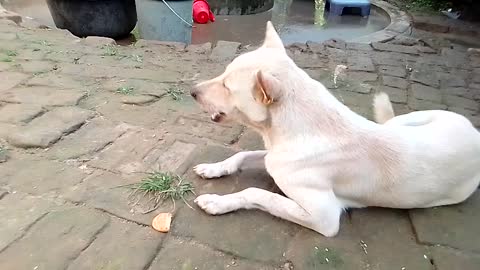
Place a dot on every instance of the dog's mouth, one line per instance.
(217, 116)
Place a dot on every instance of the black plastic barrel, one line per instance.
(106, 18)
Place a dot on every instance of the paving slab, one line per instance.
(426, 77)
(395, 82)
(11, 79)
(181, 254)
(423, 92)
(396, 95)
(360, 64)
(310, 250)
(440, 225)
(268, 235)
(396, 71)
(141, 150)
(89, 139)
(43, 96)
(19, 113)
(134, 248)
(19, 212)
(224, 51)
(53, 241)
(39, 176)
(447, 259)
(111, 193)
(48, 128)
(201, 127)
(388, 240)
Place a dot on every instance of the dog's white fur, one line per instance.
(326, 158)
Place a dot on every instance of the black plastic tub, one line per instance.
(106, 18)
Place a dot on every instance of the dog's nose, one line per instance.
(194, 92)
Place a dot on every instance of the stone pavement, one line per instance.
(78, 118)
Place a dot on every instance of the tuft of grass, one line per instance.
(175, 92)
(6, 59)
(42, 42)
(3, 154)
(125, 90)
(110, 50)
(161, 186)
(325, 258)
(137, 58)
(136, 33)
(11, 53)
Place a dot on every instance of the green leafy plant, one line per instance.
(175, 92)
(6, 59)
(160, 186)
(110, 50)
(125, 90)
(11, 53)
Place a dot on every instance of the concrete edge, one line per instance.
(400, 22)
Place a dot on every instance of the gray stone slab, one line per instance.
(36, 67)
(360, 64)
(427, 77)
(18, 213)
(310, 250)
(48, 128)
(453, 226)
(121, 246)
(44, 96)
(181, 254)
(449, 259)
(251, 140)
(91, 137)
(421, 105)
(18, 113)
(54, 240)
(203, 127)
(10, 79)
(143, 150)
(361, 77)
(109, 192)
(40, 176)
(396, 71)
(224, 51)
(267, 236)
(396, 95)
(394, 48)
(395, 82)
(468, 93)
(461, 102)
(388, 240)
(423, 92)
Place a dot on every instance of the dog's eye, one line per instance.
(225, 86)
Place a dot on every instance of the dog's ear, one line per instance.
(272, 40)
(267, 88)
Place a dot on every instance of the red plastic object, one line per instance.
(201, 12)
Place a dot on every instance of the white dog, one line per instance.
(325, 157)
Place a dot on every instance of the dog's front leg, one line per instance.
(320, 211)
(232, 164)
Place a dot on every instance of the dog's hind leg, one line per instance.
(232, 164)
(321, 214)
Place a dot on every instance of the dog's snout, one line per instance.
(194, 92)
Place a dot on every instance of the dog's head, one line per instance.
(249, 86)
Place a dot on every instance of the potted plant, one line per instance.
(106, 18)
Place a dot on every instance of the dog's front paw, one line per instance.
(213, 170)
(213, 204)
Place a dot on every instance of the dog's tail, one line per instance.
(382, 108)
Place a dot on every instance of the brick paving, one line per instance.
(79, 118)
